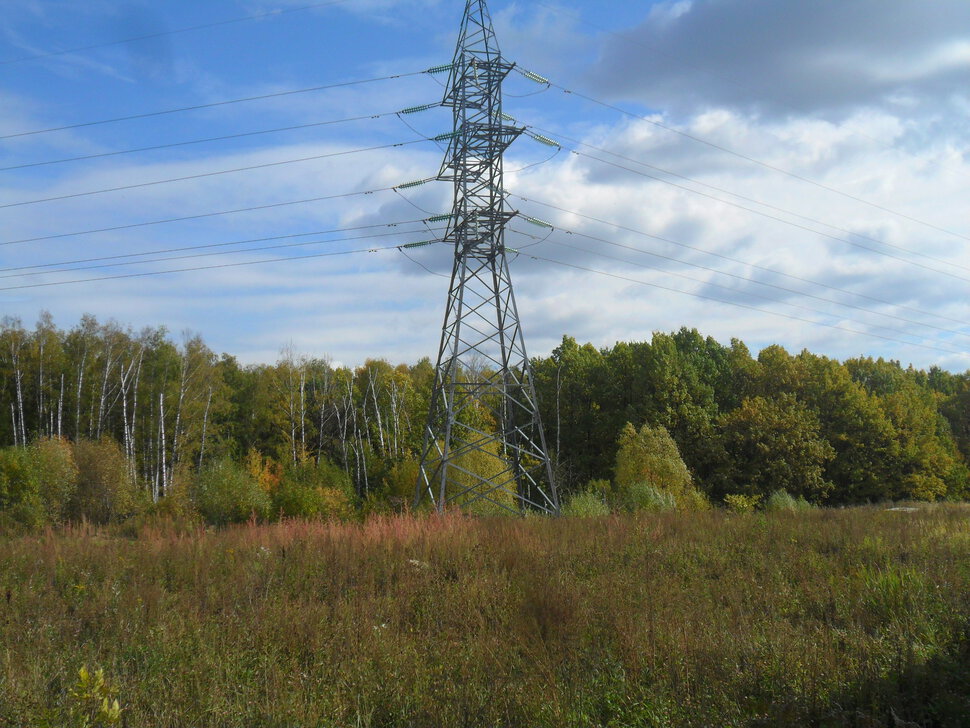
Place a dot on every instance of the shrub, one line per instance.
(599, 486)
(400, 482)
(106, 490)
(313, 490)
(693, 500)
(225, 492)
(781, 500)
(643, 496)
(19, 495)
(585, 505)
(958, 482)
(38, 482)
(176, 508)
(266, 471)
(489, 466)
(56, 475)
(741, 503)
(650, 456)
(775, 442)
(336, 503)
(924, 486)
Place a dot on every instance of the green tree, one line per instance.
(775, 444)
(956, 408)
(571, 388)
(853, 421)
(650, 456)
(926, 459)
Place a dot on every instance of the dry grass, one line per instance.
(829, 617)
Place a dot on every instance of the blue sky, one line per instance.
(801, 167)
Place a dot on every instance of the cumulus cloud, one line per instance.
(783, 57)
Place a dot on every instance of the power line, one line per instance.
(732, 303)
(203, 26)
(754, 160)
(203, 267)
(532, 256)
(735, 260)
(202, 246)
(854, 244)
(214, 104)
(420, 264)
(201, 141)
(213, 174)
(722, 77)
(223, 252)
(744, 279)
(743, 197)
(715, 285)
(200, 216)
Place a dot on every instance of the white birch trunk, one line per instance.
(60, 410)
(205, 422)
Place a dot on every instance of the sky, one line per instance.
(776, 171)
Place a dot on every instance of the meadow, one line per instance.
(825, 617)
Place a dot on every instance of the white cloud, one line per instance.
(383, 305)
(784, 56)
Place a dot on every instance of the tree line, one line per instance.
(175, 423)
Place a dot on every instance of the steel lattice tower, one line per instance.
(483, 444)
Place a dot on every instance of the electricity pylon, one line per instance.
(483, 444)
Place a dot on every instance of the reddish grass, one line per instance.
(830, 617)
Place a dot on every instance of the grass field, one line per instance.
(856, 617)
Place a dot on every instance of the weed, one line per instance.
(667, 618)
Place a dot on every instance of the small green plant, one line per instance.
(740, 503)
(600, 486)
(19, 497)
(106, 490)
(585, 505)
(94, 702)
(226, 493)
(643, 496)
(313, 490)
(782, 500)
(693, 500)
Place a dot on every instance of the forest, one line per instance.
(105, 423)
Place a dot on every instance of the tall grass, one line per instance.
(822, 617)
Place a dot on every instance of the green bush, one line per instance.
(643, 496)
(175, 510)
(650, 456)
(400, 482)
(693, 500)
(741, 503)
(56, 474)
(19, 494)
(585, 505)
(37, 482)
(781, 500)
(292, 499)
(225, 492)
(313, 490)
(106, 490)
